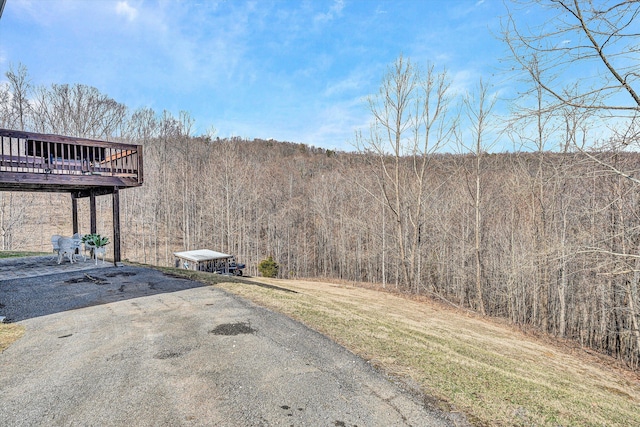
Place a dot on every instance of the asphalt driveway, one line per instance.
(131, 346)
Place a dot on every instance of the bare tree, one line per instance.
(478, 108)
(20, 88)
(5, 106)
(411, 121)
(77, 110)
(16, 115)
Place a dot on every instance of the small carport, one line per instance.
(203, 260)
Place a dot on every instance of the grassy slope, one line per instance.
(496, 375)
(9, 334)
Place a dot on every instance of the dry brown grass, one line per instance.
(9, 333)
(494, 373)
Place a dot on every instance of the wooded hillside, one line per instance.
(553, 226)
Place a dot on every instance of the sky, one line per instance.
(297, 71)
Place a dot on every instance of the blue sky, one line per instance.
(294, 71)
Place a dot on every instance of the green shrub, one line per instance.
(268, 267)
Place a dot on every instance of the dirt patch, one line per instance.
(171, 353)
(121, 274)
(175, 276)
(87, 279)
(240, 328)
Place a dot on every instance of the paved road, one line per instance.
(131, 346)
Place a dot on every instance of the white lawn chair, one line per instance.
(77, 241)
(66, 247)
(54, 242)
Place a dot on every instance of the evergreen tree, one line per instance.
(268, 267)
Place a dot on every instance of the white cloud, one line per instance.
(462, 81)
(335, 10)
(380, 11)
(334, 125)
(125, 9)
(337, 6)
(352, 83)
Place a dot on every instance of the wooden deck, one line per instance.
(40, 162)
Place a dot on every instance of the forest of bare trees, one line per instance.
(547, 237)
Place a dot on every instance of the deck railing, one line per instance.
(67, 156)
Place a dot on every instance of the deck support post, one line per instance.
(116, 226)
(92, 213)
(74, 213)
(74, 217)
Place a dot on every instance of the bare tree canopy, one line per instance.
(584, 54)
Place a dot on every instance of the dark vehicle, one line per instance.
(235, 268)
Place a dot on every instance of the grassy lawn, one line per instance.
(495, 374)
(9, 333)
(17, 254)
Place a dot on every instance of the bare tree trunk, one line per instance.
(562, 286)
(478, 242)
(478, 109)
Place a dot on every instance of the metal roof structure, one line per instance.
(201, 255)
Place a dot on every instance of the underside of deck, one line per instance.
(78, 186)
(53, 163)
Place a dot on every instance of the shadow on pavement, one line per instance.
(28, 297)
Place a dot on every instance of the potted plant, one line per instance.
(96, 244)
